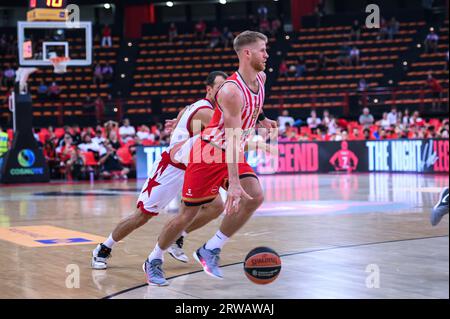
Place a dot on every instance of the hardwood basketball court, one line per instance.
(339, 236)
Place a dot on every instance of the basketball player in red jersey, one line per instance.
(166, 179)
(346, 159)
(238, 105)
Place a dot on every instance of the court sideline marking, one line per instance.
(284, 255)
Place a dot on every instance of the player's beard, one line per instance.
(258, 66)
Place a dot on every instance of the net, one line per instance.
(60, 64)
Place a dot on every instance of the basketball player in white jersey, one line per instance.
(238, 105)
(166, 179)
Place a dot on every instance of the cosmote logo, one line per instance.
(26, 158)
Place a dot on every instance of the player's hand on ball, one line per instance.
(235, 192)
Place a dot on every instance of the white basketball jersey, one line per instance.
(182, 131)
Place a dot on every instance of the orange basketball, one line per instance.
(262, 265)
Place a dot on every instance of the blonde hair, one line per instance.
(247, 37)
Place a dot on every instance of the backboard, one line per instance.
(38, 42)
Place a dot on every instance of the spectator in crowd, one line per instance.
(275, 27)
(300, 68)
(366, 134)
(227, 37)
(173, 32)
(98, 75)
(110, 163)
(4, 144)
(76, 134)
(111, 126)
(319, 12)
(392, 116)
(9, 76)
(355, 32)
(107, 72)
(326, 118)
(98, 138)
(332, 126)
(283, 69)
(262, 12)
(12, 45)
(143, 134)
(99, 109)
(436, 90)
(106, 36)
(405, 118)
(354, 56)
(54, 90)
(321, 62)
(416, 120)
(313, 121)
(431, 42)
(42, 89)
(343, 59)
(3, 44)
(68, 157)
(88, 145)
(283, 120)
(393, 28)
(200, 30)
(366, 118)
(126, 131)
(383, 31)
(215, 37)
(264, 26)
(384, 122)
(362, 85)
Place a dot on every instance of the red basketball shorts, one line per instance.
(203, 178)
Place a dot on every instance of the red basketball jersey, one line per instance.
(252, 105)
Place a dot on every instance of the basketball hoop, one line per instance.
(59, 64)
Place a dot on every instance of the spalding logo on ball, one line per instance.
(262, 265)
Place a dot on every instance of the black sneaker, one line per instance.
(99, 256)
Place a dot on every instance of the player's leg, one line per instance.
(441, 208)
(208, 254)
(206, 214)
(171, 231)
(125, 227)
(156, 193)
(233, 222)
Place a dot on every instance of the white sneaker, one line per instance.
(176, 250)
(99, 257)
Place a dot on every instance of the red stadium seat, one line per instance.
(125, 156)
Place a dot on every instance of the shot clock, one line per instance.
(47, 10)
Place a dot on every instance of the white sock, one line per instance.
(110, 242)
(184, 234)
(217, 241)
(157, 253)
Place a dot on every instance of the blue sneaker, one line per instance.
(154, 273)
(209, 259)
(441, 208)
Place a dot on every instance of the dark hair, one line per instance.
(212, 77)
